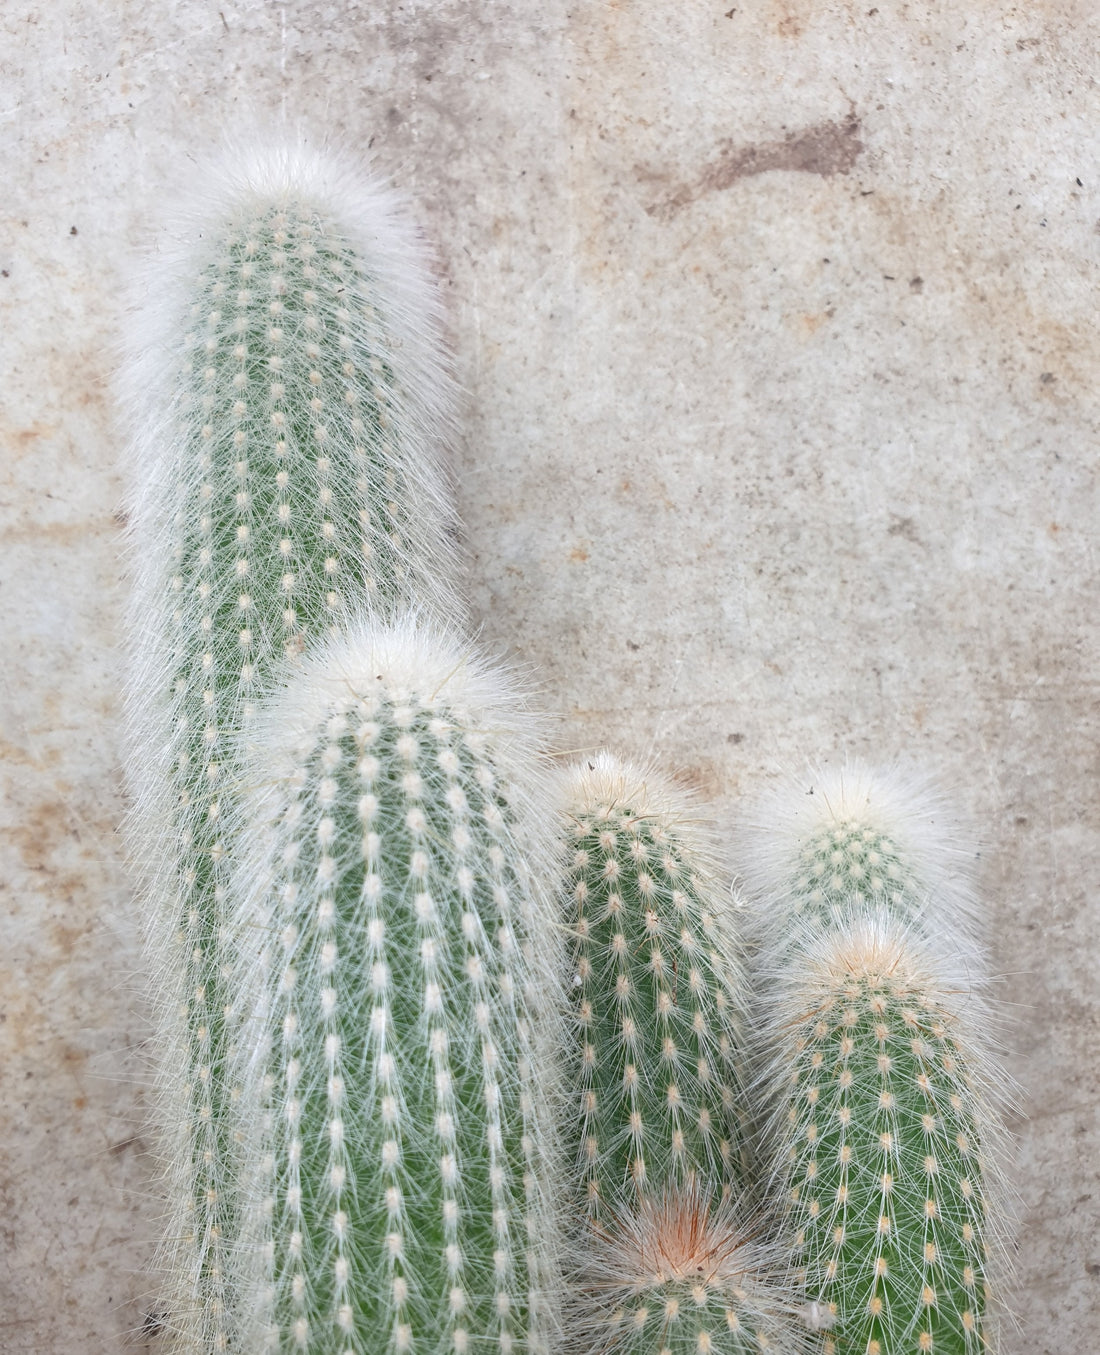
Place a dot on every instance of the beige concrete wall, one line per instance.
(777, 325)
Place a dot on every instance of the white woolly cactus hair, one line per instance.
(400, 951)
(608, 779)
(687, 1275)
(253, 176)
(409, 658)
(855, 836)
(245, 182)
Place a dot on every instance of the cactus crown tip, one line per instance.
(838, 839)
(606, 782)
(406, 659)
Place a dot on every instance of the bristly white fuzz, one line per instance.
(409, 658)
(241, 184)
(605, 783)
(290, 400)
(855, 837)
(399, 954)
(683, 1273)
(247, 179)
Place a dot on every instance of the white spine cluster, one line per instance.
(860, 839)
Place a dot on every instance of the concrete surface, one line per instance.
(777, 323)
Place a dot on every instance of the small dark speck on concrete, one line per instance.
(916, 284)
(1092, 1267)
(1079, 183)
(72, 230)
(1048, 378)
(4, 273)
(735, 738)
(633, 646)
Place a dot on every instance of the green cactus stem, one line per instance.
(657, 991)
(883, 1139)
(289, 391)
(400, 946)
(669, 1266)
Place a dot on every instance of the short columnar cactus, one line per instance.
(289, 389)
(882, 1139)
(399, 944)
(852, 840)
(657, 991)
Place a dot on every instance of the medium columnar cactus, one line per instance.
(852, 840)
(289, 392)
(657, 994)
(883, 1139)
(399, 945)
(668, 1264)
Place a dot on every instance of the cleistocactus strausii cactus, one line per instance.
(289, 392)
(856, 839)
(658, 990)
(882, 1140)
(400, 946)
(668, 1261)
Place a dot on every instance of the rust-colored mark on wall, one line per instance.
(827, 148)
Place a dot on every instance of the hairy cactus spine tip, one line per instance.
(883, 1139)
(852, 840)
(657, 995)
(288, 389)
(399, 945)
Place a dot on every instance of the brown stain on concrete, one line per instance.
(14, 754)
(58, 533)
(703, 779)
(790, 26)
(825, 149)
(21, 440)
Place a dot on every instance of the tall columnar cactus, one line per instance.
(668, 1265)
(883, 1139)
(289, 391)
(399, 944)
(853, 840)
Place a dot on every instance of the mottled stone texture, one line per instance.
(776, 322)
